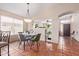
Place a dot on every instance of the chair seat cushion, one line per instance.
(2, 44)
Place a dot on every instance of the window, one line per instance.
(11, 24)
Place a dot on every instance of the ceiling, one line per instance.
(20, 8)
(47, 10)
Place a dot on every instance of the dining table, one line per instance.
(26, 35)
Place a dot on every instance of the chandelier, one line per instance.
(28, 14)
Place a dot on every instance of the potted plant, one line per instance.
(36, 25)
(48, 32)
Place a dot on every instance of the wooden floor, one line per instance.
(65, 47)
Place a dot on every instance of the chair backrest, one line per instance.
(0, 36)
(5, 36)
(37, 38)
(22, 38)
(28, 32)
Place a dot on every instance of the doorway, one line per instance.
(66, 30)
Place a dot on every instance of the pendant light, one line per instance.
(28, 14)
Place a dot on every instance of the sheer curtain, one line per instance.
(11, 24)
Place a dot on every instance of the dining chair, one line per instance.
(35, 39)
(23, 38)
(4, 40)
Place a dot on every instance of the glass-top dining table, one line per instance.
(28, 37)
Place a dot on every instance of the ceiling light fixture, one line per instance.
(28, 15)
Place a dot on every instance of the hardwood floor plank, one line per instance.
(65, 47)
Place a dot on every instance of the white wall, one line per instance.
(25, 26)
(55, 31)
(75, 26)
(29, 25)
(42, 31)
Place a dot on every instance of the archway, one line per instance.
(65, 23)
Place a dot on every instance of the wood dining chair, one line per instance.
(4, 40)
